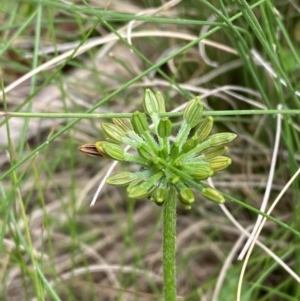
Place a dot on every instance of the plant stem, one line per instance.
(129, 115)
(169, 245)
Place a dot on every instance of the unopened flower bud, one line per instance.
(221, 138)
(110, 150)
(186, 196)
(90, 150)
(189, 145)
(174, 150)
(146, 152)
(113, 132)
(199, 171)
(123, 123)
(135, 182)
(138, 192)
(203, 129)
(185, 206)
(139, 123)
(219, 163)
(161, 102)
(213, 195)
(215, 151)
(193, 112)
(122, 178)
(159, 195)
(164, 128)
(151, 103)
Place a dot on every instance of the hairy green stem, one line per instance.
(169, 245)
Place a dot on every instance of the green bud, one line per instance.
(123, 123)
(146, 188)
(138, 192)
(90, 150)
(163, 153)
(174, 150)
(159, 203)
(139, 123)
(151, 105)
(213, 195)
(200, 171)
(212, 152)
(98, 146)
(203, 129)
(135, 182)
(185, 206)
(161, 102)
(146, 152)
(113, 132)
(122, 178)
(164, 128)
(189, 145)
(159, 195)
(193, 112)
(219, 163)
(221, 138)
(110, 150)
(186, 196)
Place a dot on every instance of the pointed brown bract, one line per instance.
(90, 150)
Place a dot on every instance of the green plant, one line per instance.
(169, 169)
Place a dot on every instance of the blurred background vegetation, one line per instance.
(73, 56)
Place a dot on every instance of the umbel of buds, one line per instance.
(193, 156)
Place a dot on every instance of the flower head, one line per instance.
(194, 156)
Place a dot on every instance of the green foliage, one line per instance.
(67, 64)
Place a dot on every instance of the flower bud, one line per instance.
(159, 203)
(122, 178)
(135, 191)
(186, 196)
(203, 129)
(213, 195)
(139, 123)
(212, 152)
(199, 171)
(189, 145)
(193, 112)
(138, 192)
(175, 150)
(123, 123)
(151, 103)
(163, 153)
(110, 150)
(221, 138)
(90, 150)
(159, 195)
(202, 173)
(100, 149)
(146, 152)
(135, 182)
(219, 163)
(113, 132)
(161, 102)
(164, 128)
(185, 206)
